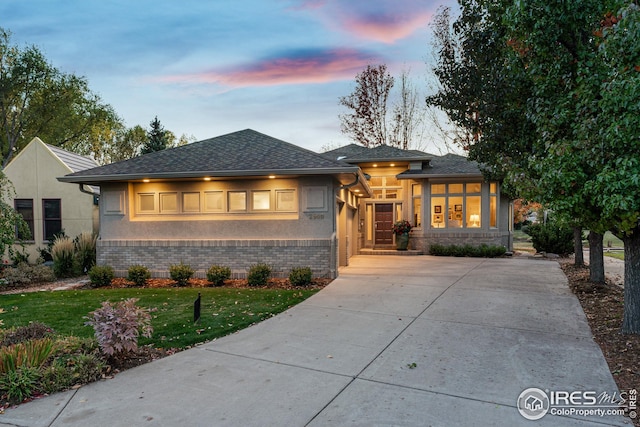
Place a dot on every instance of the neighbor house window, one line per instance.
(456, 205)
(24, 207)
(52, 209)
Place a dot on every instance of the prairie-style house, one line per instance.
(245, 197)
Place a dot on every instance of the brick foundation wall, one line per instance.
(239, 255)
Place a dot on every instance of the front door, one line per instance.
(383, 224)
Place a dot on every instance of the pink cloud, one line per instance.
(300, 67)
(386, 28)
(380, 20)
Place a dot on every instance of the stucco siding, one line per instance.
(34, 174)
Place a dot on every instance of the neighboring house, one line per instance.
(445, 198)
(245, 197)
(47, 205)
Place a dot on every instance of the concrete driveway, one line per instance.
(394, 341)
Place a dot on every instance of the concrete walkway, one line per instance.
(405, 341)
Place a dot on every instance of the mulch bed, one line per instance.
(603, 305)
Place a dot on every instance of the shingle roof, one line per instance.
(353, 153)
(449, 164)
(243, 153)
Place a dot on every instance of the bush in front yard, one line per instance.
(300, 276)
(181, 273)
(551, 237)
(138, 274)
(259, 274)
(217, 274)
(101, 275)
(482, 251)
(63, 251)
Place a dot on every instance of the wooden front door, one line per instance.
(383, 224)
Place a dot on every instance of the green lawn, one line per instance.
(223, 310)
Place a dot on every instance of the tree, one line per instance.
(406, 118)
(580, 66)
(367, 124)
(10, 221)
(36, 99)
(157, 138)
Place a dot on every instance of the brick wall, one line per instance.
(239, 255)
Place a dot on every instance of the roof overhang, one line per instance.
(346, 176)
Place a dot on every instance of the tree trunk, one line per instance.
(631, 320)
(577, 246)
(596, 258)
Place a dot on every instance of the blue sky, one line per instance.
(207, 68)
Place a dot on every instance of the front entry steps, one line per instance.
(409, 252)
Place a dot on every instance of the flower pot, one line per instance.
(402, 241)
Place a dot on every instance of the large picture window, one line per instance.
(456, 205)
(52, 215)
(24, 207)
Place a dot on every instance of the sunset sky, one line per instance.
(207, 68)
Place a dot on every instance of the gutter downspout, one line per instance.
(82, 190)
(336, 249)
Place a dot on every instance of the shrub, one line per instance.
(259, 274)
(62, 252)
(300, 276)
(138, 274)
(66, 371)
(85, 246)
(24, 274)
(181, 273)
(551, 237)
(33, 331)
(217, 274)
(101, 275)
(19, 384)
(482, 251)
(118, 326)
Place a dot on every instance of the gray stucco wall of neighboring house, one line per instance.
(303, 236)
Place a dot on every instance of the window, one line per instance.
(386, 187)
(456, 205)
(52, 209)
(237, 201)
(168, 202)
(213, 201)
(24, 207)
(285, 200)
(416, 190)
(493, 205)
(261, 200)
(147, 203)
(190, 202)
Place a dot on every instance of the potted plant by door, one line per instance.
(401, 229)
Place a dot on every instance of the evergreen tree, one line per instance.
(158, 138)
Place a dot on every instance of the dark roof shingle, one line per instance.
(243, 152)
